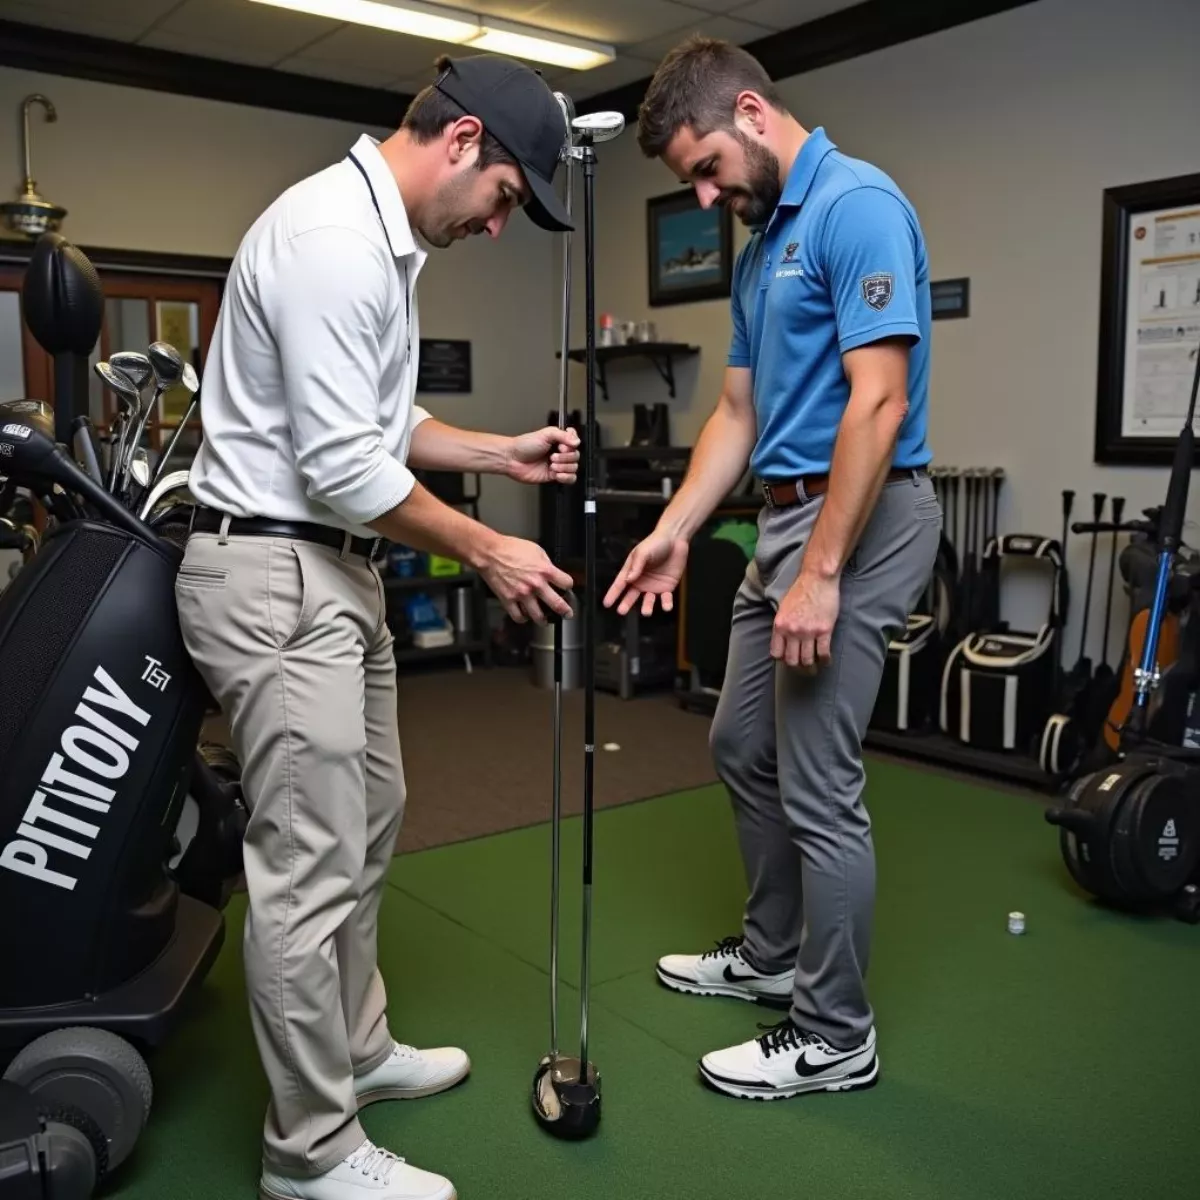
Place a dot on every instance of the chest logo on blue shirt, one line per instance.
(877, 291)
(789, 251)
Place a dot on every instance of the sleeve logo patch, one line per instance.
(877, 291)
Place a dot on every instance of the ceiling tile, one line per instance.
(786, 14)
(265, 33)
(718, 6)
(512, 10)
(397, 54)
(79, 20)
(728, 28)
(581, 84)
(117, 12)
(619, 22)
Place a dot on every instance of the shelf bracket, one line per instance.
(665, 365)
(602, 375)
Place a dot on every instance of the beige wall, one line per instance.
(1004, 133)
(148, 171)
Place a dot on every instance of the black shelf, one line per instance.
(413, 583)
(661, 354)
(409, 654)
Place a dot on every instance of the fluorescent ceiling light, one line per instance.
(420, 20)
(460, 28)
(560, 50)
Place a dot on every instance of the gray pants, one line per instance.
(788, 746)
(292, 641)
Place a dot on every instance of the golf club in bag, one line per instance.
(1130, 833)
(566, 1090)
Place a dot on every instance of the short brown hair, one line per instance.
(432, 110)
(696, 86)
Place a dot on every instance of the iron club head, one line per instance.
(190, 379)
(135, 365)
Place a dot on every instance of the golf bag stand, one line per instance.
(101, 941)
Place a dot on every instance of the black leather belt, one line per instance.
(784, 492)
(209, 520)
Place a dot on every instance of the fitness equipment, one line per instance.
(119, 838)
(1129, 833)
(998, 683)
(566, 1091)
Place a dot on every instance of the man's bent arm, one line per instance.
(436, 446)
(862, 454)
(719, 459)
(423, 522)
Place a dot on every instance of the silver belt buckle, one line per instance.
(766, 491)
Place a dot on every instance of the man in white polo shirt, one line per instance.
(311, 436)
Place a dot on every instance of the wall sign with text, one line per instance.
(444, 366)
(1149, 319)
(950, 298)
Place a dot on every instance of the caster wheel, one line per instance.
(92, 1071)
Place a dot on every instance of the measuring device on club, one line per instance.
(566, 1090)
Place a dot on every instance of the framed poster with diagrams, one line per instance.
(1149, 319)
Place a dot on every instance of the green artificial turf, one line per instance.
(1064, 1063)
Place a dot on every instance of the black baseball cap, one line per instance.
(519, 110)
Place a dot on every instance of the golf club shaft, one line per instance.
(589, 608)
(560, 517)
(166, 454)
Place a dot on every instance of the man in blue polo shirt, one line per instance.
(825, 399)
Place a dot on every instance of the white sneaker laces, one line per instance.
(374, 1161)
(409, 1052)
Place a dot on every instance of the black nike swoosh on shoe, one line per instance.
(730, 977)
(807, 1070)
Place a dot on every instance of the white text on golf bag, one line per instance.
(96, 748)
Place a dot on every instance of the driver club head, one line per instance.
(167, 363)
(600, 126)
(566, 1100)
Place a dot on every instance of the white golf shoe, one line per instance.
(786, 1061)
(408, 1074)
(724, 972)
(370, 1173)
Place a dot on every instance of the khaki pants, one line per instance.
(291, 639)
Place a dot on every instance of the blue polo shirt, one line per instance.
(841, 263)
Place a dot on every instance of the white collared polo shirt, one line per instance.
(308, 395)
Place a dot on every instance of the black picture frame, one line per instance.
(1124, 208)
(712, 282)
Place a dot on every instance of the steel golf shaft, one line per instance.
(560, 518)
(589, 607)
(166, 454)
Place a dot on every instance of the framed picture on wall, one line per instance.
(690, 249)
(1149, 319)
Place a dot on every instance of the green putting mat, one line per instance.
(1062, 1064)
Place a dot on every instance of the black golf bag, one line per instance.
(908, 692)
(107, 921)
(998, 684)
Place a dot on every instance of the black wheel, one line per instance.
(95, 1072)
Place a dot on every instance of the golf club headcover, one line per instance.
(62, 297)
